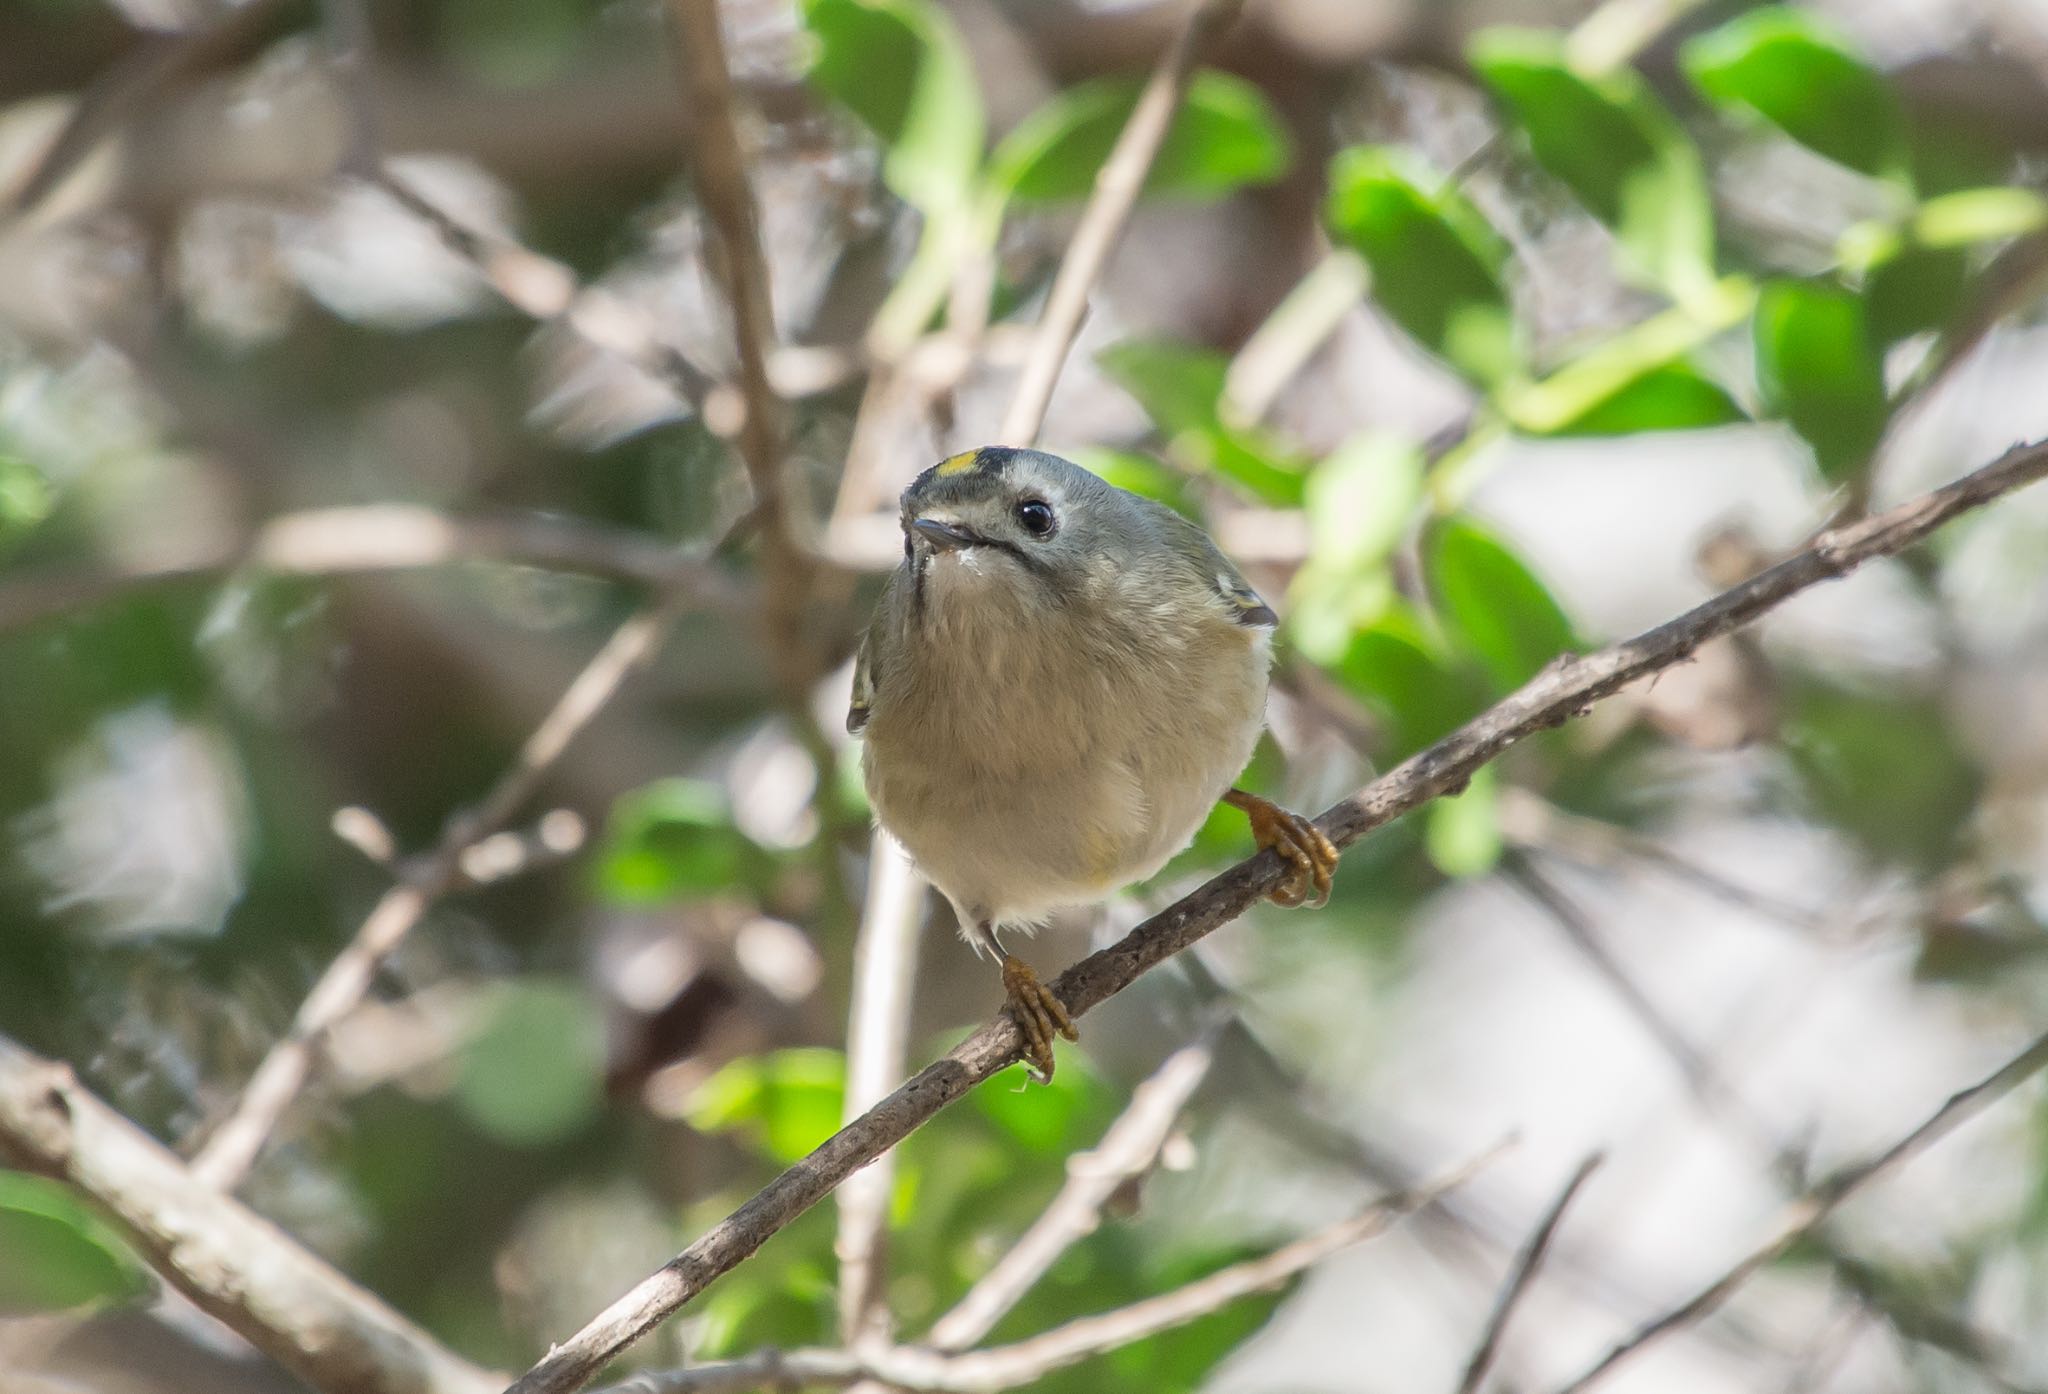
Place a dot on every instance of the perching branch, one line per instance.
(1804, 1214)
(232, 1263)
(1563, 690)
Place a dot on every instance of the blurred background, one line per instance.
(362, 367)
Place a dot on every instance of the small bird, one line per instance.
(1059, 682)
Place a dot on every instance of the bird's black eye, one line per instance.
(1035, 517)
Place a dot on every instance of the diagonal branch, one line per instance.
(1807, 1212)
(230, 1261)
(1563, 690)
(1127, 1150)
(1117, 186)
(1526, 1264)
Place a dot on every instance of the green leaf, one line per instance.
(1669, 397)
(1225, 135)
(1180, 388)
(1360, 500)
(785, 1102)
(1818, 365)
(1795, 71)
(1887, 769)
(56, 1254)
(1611, 142)
(1915, 290)
(532, 1072)
(1058, 1120)
(1436, 265)
(1393, 667)
(901, 67)
(1139, 474)
(25, 497)
(1493, 605)
(1970, 217)
(1463, 836)
(674, 839)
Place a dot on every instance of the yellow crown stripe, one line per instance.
(958, 464)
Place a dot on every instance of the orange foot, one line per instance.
(1038, 1013)
(1311, 857)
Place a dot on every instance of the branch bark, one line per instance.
(234, 1264)
(1519, 1277)
(1566, 688)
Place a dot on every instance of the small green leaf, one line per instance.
(1493, 604)
(1969, 217)
(56, 1254)
(1360, 500)
(1792, 69)
(901, 67)
(1058, 1120)
(785, 1102)
(671, 840)
(1139, 474)
(1818, 365)
(1463, 835)
(1393, 667)
(1225, 135)
(1669, 397)
(1436, 265)
(25, 497)
(1181, 389)
(1613, 145)
(1887, 769)
(1914, 290)
(532, 1072)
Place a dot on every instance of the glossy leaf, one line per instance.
(1225, 135)
(901, 67)
(55, 1254)
(1493, 605)
(1612, 143)
(1795, 71)
(1669, 397)
(785, 1102)
(1180, 388)
(532, 1072)
(1436, 265)
(1818, 365)
(674, 839)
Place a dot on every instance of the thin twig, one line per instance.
(925, 1371)
(1117, 186)
(877, 1039)
(232, 1263)
(236, 1144)
(1561, 691)
(1809, 1210)
(1519, 1278)
(1128, 1149)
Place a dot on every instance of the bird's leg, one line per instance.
(1311, 857)
(1039, 1014)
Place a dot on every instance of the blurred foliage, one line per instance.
(170, 754)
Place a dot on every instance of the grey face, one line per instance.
(1023, 511)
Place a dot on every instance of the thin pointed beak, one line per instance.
(945, 537)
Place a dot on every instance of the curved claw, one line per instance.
(1311, 857)
(1038, 1014)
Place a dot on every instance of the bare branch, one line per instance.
(1117, 186)
(234, 1264)
(1563, 690)
(236, 1144)
(877, 1039)
(925, 1371)
(1127, 1150)
(1519, 1277)
(1808, 1211)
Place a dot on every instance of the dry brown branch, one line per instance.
(1525, 1266)
(925, 1371)
(230, 1261)
(235, 1145)
(1800, 1217)
(1566, 688)
(1127, 1150)
(1117, 186)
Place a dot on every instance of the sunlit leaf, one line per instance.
(1462, 835)
(1798, 73)
(901, 67)
(1436, 265)
(1180, 387)
(1493, 604)
(1669, 397)
(674, 839)
(1055, 1120)
(25, 497)
(55, 1254)
(785, 1102)
(1614, 145)
(1818, 365)
(1225, 135)
(532, 1072)
(1360, 501)
(1140, 474)
(1403, 678)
